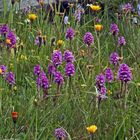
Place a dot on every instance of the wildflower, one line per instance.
(88, 38)
(68, 56)
(66, 20)
(127, 7)
(97, 20)
(109, 75)
(2, 69)
(95, 7)
(37, 69)
(57, 58)
(14, 117)
(60, 134)
(114, 58)
(121, 41)
(70, 69)
(100, 81)
(4, 29)
(42, 80)
(11, 39)
(58, 78)
(51, 69)
(70, 33)
(38, 41)
(32, 17)
(92, 129)
(10, 78)
(114, 29)
(60, 42)
(98, 27)
(124, 73)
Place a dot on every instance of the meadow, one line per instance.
(70, 76)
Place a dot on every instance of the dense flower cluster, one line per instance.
(109, 75)
(114, 29)
(114, 58)
(70, 69)
(10, 78)
(2, 69)
(70, 33)
(60, 134)
(57, 58)
(121, 41)
(68, 56)
(100, 85)
(124, 73)
(88, 38)
(4, 29)
(37, 69)
(58, 78)
(42, 80)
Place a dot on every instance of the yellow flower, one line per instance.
(32, 17)
(0, 71)
(60, 42)
(95, 7)
(8, 41)
(92, 129)
(98, 27)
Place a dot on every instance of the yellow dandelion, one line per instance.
(32, 17)
(60, 42)
(95, 7)
(92, 129)
(98, 27)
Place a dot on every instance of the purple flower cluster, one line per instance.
(57, 58)
(12, 37)
(51, 69)
(70, 69)
(58, 78)
(68, 56)
(10, 78)
(121, 41)
(60, 134)
(70, 33)
(100, 84)
(42, 80)
(100, 81)
(109, 75)
(4, 29)
(114, 29)
(88, 38)
(114, 58)
(124, 73)
(38, 41)
(2, 70)
(37, 69)
(9, 35)
(127, 7)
